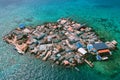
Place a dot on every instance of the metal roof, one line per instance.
(100, 46)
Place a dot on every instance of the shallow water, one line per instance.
(102, 15)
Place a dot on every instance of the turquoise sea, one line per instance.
(102, 15)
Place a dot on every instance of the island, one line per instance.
(64, 42)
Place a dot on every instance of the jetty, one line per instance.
(64, 42)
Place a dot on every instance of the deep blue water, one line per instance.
(102, 15)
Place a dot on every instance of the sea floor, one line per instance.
(104, 18)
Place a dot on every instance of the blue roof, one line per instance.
(100, 46)
(98, 57)
(90, 47)
(78, 45)
(22, 26)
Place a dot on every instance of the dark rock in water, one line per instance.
(18, 21)
(103, 19)
(104, 6)
(29, 19)
(117, 30)
(114, 75)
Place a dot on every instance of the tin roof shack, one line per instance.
(102, 51)
(111, 45)
(83, 53)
